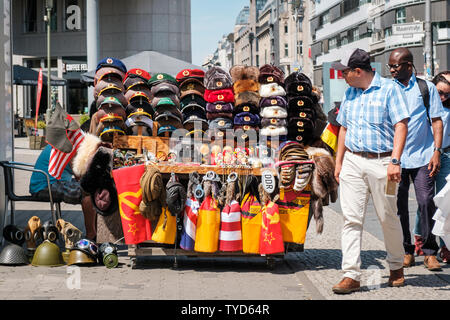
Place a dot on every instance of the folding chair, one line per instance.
(10, 196)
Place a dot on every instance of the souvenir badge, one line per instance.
(219, 84)
(246, 109)
(247, 118)
(273, 101)
(246, 127)
(219, 107)
(273, 121)
(300, 103)
(185, 73)
(299, 88)
(302, 114)
(138, 72)
(221, 123)
(220, 97)
(299, 123)
(299, 138)
(159, 76)
(190, 86)
(269, 79)
(109, 61)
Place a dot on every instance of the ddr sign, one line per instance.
(268, 181)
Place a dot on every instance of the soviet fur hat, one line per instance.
(273, 101)
(274, 112)
(265, 122)
(220, 123)
(247, 118)
(241, 72)
(190, 73)
(217, 78)
(269, 73)
(215, 115)
(246, 107)
(301, 130)
(249, 97)
(304, 112)
(297, 102)
(273, 131)
(298, 83)
(222, 95)
(219, 107)
(245, 85)
(271, 90)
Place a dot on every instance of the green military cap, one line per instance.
(161, 77)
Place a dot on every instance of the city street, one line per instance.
(307, 275)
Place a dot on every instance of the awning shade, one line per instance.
(29, 77)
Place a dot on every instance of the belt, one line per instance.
(371, 155)
(447, 149)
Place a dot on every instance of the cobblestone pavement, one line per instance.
(307, 275)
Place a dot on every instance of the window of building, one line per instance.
(349, 5)
(400, 15)
(353, 35)
(285, 28)
(300, 47)
(324, 18)
(332, 43)
(363, 2)
(344, 40)
(286, 49)
(30, 16)
(388, 31)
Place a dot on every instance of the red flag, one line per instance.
(136, 228)
(58, 159)
(38, 99)
(271, 235)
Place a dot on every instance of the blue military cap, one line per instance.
(111, 62)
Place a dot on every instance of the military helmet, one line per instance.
(47, 254)
(79, 257)
(13, 254)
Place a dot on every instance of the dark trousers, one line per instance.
(424, 188)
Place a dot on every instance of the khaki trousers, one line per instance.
(359, 178)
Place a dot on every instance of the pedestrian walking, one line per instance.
(420, 160)
(373, 118)
(442, 83)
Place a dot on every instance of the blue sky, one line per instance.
(210, 20)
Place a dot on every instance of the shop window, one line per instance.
(400, 15)
(30, 16)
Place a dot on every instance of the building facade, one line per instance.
(125, 28)
(377, 26)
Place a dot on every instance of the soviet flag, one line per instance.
(136, 228)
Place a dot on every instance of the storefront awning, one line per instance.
(29, 77)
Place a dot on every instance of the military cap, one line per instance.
(137, 73)
(108, 73)
(220, 123)
(162, 102)
(215, 115)
(161, 77)
(164, 88)
(111, 93)
(193, 106)
(103, 83)
(168, 118)
(300, 129)
(139, 95)
(192, 98)
(194, 110)
(109, 87)
(135, 105)
(111, 62)
(190, 73)
(166, 128)
(191, 86)
(110, 100)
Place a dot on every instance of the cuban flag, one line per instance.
(230, 237)
(189, 224)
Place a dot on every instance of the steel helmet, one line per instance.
(79, 257)
(47, 254)
(13, 254)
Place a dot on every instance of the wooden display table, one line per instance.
(181, 168)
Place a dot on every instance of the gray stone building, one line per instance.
(125, 27)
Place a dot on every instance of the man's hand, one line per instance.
(337, 171)
(394, 172)
(435, 164)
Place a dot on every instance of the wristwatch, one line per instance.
(395, 161)
(438, 149)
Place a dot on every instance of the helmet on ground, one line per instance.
(47, 254)
(13, 254)
(79, 257)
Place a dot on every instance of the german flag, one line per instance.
(331, 131)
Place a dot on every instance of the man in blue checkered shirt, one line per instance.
(374, 124)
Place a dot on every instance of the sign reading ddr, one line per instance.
(407, 28)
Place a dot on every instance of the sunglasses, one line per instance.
(446, 95)
(395, 66)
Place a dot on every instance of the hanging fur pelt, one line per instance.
(323, 184)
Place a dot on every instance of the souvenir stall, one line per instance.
(215, 163)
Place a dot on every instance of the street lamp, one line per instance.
(47, 18)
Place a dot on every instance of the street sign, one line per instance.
(407, 28)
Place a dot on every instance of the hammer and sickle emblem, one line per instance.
(123, 200)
